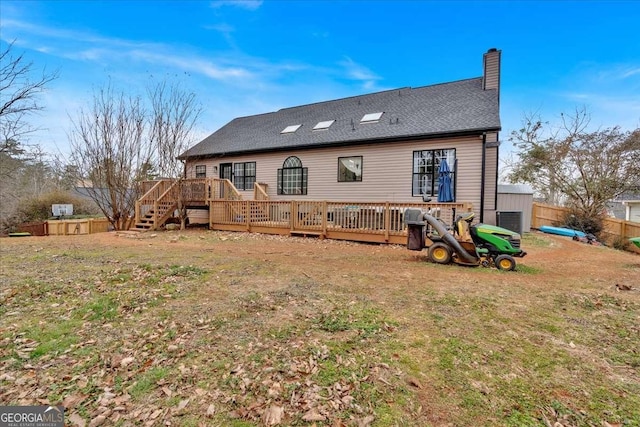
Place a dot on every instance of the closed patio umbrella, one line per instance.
(445, 187)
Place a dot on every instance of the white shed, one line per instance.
(515, 206)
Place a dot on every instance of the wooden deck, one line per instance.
(380, 222)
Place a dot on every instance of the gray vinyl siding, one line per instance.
(386, 171)
(492, 70)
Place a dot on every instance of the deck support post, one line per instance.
(387, 221)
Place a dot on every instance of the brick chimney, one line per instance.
(491, 70)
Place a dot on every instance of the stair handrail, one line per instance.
(149, 197)
(258, 192)
(231, 192)
(171, 191)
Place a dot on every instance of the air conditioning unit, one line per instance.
(510, 220)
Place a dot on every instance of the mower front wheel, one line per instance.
(505, 262)
(440, 253)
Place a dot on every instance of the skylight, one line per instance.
(323, 125)
(291, 129)
(371, 117)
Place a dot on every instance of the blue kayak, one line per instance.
(561, 231)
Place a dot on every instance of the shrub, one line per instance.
(621, 243)
(39, 208)
(578, 220)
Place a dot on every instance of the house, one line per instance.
(383, 146)
(629, 204)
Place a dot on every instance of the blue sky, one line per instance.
(251, 57)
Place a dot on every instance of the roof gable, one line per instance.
(428, 111)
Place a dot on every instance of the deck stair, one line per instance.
(161, 207)
(161, 200)
(153, 219)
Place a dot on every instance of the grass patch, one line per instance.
(147, 382)
(366, 321)
(53, 339)
(101, 309)
(527, 269)
(536, 240)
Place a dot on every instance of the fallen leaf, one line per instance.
(272, 416)
(76, 420)
(98, 421)
(183, 404)
(72, 400)
(126, 361)
(313, 415)
(366, 421)
(211, 411)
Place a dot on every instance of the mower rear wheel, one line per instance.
(505, 262)
(440, 253)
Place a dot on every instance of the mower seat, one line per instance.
(467, 217)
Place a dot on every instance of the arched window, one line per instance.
(292, 178)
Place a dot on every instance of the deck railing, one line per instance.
(148, 200)
(349, 220)
(195, 191)
(260, 191)
(369, 221)
(223, 189)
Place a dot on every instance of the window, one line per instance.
(292, 178)
(244, 175)
(323, 125)
(425, 170)
(371, 118)
(201, 171)
(290, 129)
(350, 169)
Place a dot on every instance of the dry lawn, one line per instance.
(232, 329)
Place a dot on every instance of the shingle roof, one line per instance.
(428, 111)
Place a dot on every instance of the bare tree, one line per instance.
(117, 143)
(109, 151)
(583, 169)
(20, 87)
(174, 113)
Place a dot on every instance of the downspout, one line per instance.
(495, 189)
(482, 179)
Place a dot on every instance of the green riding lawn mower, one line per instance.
(462, 242)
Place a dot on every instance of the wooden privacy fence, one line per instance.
(366, 222)
(613, 229)
(34, 228)
(77, 226)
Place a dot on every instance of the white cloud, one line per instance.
(630, 72)
(358, 72)
(83, 46)
(244, 4)
(192, 64)
(223, 28)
